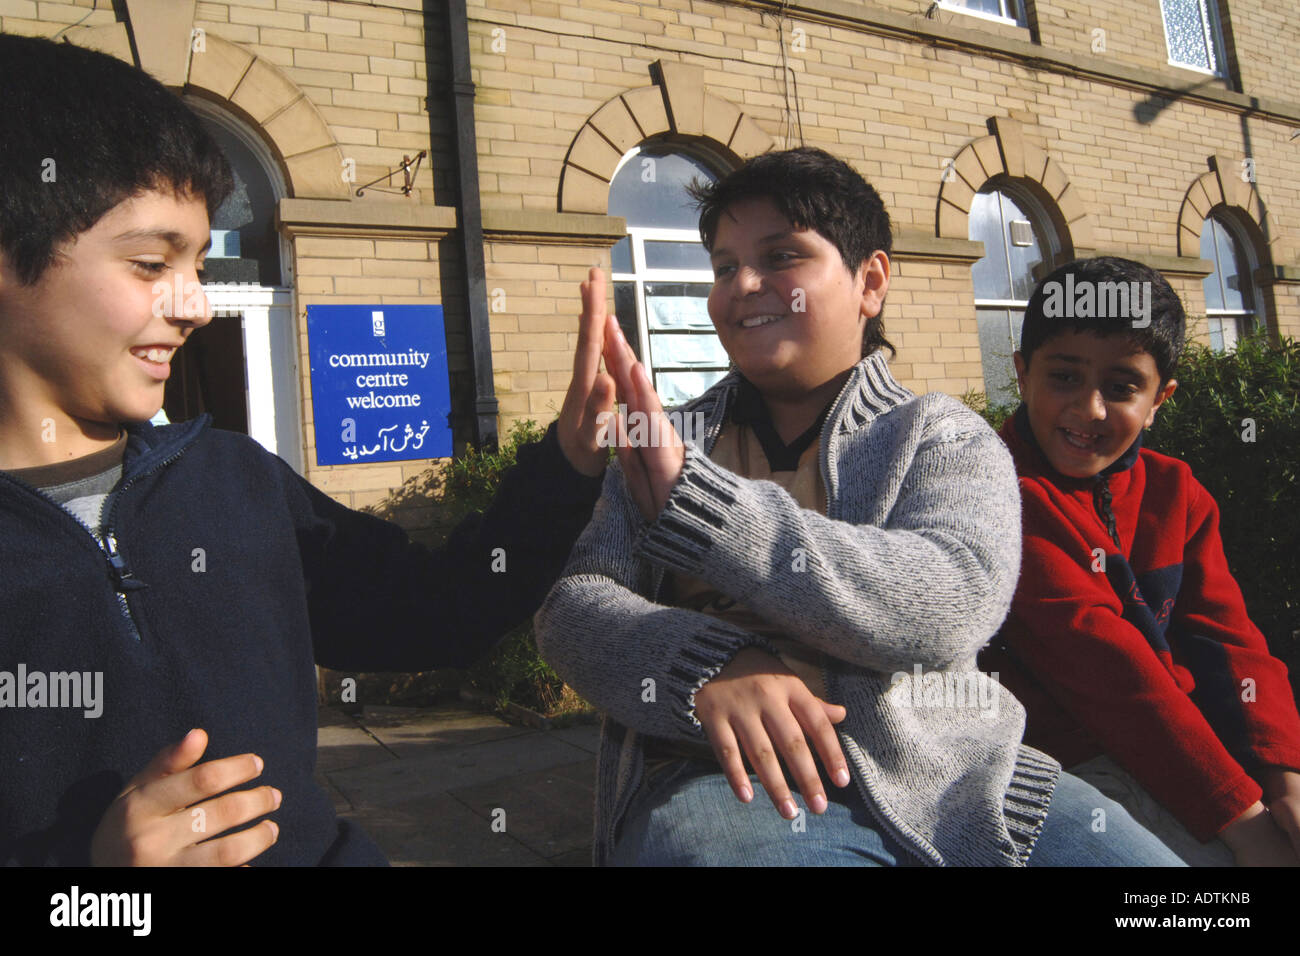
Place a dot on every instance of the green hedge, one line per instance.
(1221, 398)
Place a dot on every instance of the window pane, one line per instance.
(677, 305)
(625, 312)
(996, 346)
(989, 275)
(1020, 259)
(676, 388)
(620, 257)
(1230, 269)
(1185, 33)
(678, 349)
(1209, 250)
(676, 255)
(998, 8)
(650, 190)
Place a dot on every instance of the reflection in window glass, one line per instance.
(650, 190)
(1003, 281)
(677, 255)
(1229, 292)
(990, 275)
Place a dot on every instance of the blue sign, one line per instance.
(379, 383)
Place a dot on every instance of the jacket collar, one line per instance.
(149, 445)
(869, 391)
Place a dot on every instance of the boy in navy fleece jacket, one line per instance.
(101, 515)
(1128, 640)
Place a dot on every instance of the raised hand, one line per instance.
(651, 469)
(591, 391)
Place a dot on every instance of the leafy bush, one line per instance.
(995, 415)
(1235, 419)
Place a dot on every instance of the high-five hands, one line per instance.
(591, 391)
(169, 814)
(652, 468)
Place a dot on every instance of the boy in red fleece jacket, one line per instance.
(1128, 640)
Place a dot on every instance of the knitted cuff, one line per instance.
(694, 517)
(714, 647)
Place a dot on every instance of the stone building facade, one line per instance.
(1004, 135)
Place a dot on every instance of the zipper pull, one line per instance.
(123, 576)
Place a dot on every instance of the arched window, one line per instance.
(1018, 244)
(242, 367)
(1231, 301)
(662, 274)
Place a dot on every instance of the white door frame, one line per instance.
(270, 364)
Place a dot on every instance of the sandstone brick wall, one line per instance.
(898, 110)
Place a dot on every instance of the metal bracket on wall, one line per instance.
(408, 175)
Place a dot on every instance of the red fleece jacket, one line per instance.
(1143, 650)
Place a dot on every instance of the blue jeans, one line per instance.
(688, 816)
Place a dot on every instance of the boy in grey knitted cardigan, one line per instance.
(879, 551)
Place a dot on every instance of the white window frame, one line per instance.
(1213, 40)
(1014, 18)
(642, 274)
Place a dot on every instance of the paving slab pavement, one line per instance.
(450, 786)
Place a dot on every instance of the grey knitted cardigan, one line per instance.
(915, 563)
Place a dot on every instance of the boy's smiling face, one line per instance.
(89, 345)
(787, 310)
(1089, 397)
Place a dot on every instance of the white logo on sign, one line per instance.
(377, 320)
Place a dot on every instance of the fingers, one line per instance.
(192, 786)
(590, 390)
(816, 718)
(225, 813)
(236, 849)
(727, 749)
(619, 359)
(171, 759)
(638, 483)
(753, 737)
(664, 459)
(591, 327)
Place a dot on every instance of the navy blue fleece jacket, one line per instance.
(289, 577)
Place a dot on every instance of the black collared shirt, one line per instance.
(750, 409)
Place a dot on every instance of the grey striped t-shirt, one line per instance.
(80, 485)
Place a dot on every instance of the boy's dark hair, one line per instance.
(80, 131)
(814, 190)
(1052, 310)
